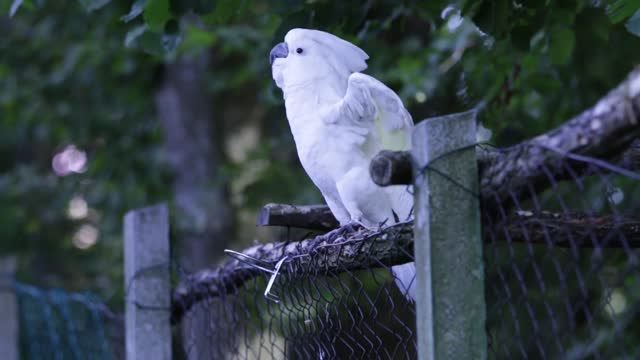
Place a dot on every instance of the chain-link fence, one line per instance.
(319, 303)
(561, 232)
(538, 261)
(55, 324)
(563, 278)
(562, 281)
(557, 219)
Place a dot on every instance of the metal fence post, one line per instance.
(146, 260)
(9, 334)
(450, 306)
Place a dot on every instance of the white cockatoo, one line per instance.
(340, 119)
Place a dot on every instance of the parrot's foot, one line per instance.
(344, 229)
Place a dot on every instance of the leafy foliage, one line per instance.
(71, 82)
(84, 73)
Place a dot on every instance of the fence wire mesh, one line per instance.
(55, 324)
(317, 308)
(561, 281)
(561, 261)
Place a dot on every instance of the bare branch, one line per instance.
(566, 230)
(315, 217)
(391, 168)
(323, 254)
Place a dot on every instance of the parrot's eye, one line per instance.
(299, 50)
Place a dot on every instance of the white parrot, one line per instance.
(340, 119)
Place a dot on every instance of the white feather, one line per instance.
(344, 55)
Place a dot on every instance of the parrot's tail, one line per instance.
(405, 276)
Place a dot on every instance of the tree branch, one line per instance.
(314, 217)
(604, 131)
(392, 168)
(566, 230)
(325, 254)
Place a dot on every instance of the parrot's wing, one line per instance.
(376, 120)
(381, 110)
(375, 110)
(372, 117)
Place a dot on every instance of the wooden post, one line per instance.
(9, 334)
(146, 260)
(450, 306)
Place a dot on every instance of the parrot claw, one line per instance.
(343, 230)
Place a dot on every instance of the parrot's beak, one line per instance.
(279, 51)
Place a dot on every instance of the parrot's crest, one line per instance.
(345, 56)
(315, 58)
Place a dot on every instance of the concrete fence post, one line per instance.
(146, 260)
(450, 306)
(9, 324)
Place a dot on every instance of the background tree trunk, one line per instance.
(204, 221)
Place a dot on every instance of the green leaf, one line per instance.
(544, 83)
(92, 5)
(14, 7)
(156, 13)
(199, 7)
(493, 17)
(224, 11)
(197, 38)
(633, 24)
(561, 44)
(154, 43)
(133, 35)
(136, 9)
(537, 40)
(622, 9)
(170, 42)
(521, 36)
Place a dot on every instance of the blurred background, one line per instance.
(106, 106)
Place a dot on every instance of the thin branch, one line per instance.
(567, 230)
(314, 217)
(392, 168)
